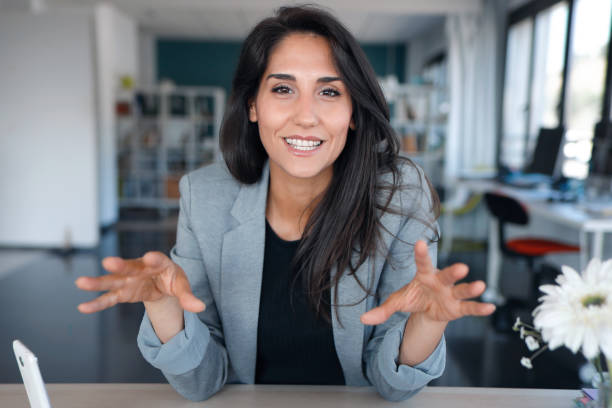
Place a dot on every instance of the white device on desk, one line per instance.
(30, 373)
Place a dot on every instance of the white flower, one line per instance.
(522, 333)
(526, 362)
(532, 344)
(517, 324)
(577, 312)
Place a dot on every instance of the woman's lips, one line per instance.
(303, 146)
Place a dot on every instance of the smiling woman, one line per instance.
(303, 111)
(307, 257)
(302, 108)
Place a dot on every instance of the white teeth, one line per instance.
(300, 144)
(304, 148)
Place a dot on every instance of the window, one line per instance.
(547, 79)
(516, 94)
(586, 82)
(547, 85)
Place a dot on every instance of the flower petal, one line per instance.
(526, 362)
(606, 343)
(554, 342)
(551, 319)
(573, 340)
(570, 275)
(549, 289)
(532, 344)
(605, 273)
(590, 347)
(592, 270)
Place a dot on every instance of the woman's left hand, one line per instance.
(433, 294)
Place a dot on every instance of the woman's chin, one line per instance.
(306, 171)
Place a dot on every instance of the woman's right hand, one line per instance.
(152, 278)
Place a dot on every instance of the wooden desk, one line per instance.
(277, 396)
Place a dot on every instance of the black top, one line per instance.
(293, 346)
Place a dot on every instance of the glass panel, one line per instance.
(516, 84)
(547, 80)
(588, 55)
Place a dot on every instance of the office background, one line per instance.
(89, 86)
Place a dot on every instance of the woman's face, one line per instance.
(302, 108)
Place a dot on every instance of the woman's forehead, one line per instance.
(302, 53)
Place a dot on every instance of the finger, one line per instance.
(182, 290)
(382, 313)
(105, 301)
(191, 303)
(422, 259)
(468, 290)
(451, 274)
(117, 265)
(156, 259)
(101, 283)
(477, 308)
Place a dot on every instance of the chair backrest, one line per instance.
(506, 209)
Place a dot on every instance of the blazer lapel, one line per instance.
(349, 337)
(241, 274)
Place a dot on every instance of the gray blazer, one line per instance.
(220, 246)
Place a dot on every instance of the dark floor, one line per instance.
(38, 306)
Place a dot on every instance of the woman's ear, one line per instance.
(252, 112)
(352, 125)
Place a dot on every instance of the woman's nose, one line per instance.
(305, 113)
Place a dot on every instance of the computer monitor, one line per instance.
(601, 153)
(544, 158)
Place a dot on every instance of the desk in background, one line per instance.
(572, 215)
(277, 396)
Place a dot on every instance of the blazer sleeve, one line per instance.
(394, 381)
(195, 360)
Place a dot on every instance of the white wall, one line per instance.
(116, 46)
(48, 157)
(423, 47)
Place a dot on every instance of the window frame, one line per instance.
(530, 11)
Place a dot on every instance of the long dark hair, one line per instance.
(346, 221)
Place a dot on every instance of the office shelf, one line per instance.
(418, 116)
(161, 135)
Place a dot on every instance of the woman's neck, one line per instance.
(291, 201)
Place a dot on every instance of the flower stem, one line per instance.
(528, 326)
(540, 351)
(597, 362)
(535, 334)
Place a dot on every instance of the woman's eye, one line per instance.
(330, 92)
(281, 89)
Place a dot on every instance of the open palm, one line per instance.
(433, 293)
(146, 279)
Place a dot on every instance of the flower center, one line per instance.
(593, 300)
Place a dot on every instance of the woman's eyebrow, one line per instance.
(329, 79)
(288, 77)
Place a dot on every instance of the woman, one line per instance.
(301, 249)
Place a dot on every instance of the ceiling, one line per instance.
(369, 21)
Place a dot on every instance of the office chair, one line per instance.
(507, 210)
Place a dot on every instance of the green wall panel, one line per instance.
(204, 63)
